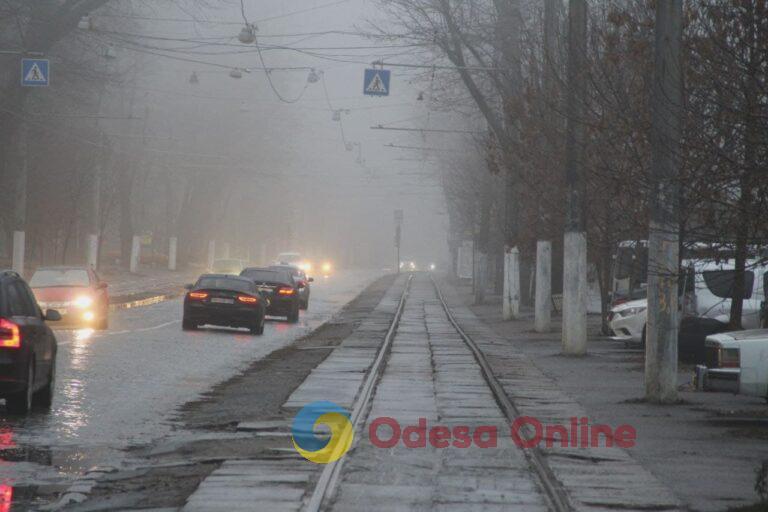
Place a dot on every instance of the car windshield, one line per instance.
(46, 278)
(721, 282)
(265, 276)
(223, 283)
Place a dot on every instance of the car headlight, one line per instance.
(631, 312)
(327, 267)
(83, 302)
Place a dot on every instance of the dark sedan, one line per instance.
(219, 299)
(280, 288)
(301, 280)
(27, 347)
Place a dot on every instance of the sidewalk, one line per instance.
(705, 450)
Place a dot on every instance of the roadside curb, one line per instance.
(147, 301)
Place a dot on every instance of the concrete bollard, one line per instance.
(173, 244)
(543, 311)
(574, 335)
(92, 251)
(19, 243)
(511, 292)
(135, 252)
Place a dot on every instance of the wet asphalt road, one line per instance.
(120, 387)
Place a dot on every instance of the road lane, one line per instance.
(120, 387)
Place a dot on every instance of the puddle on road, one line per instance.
(32, 474)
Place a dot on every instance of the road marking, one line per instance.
(128, 331)
(166, 324)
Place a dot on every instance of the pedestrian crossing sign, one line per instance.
(376, 82)
(35, 72)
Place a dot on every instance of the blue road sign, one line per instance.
(376, 82)
(35, 72)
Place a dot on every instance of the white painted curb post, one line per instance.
(211, 253)
(511, 299)
(575, 294)
(93, 251)
(172, 246)
(135, 251)
(543, 312)
(19, 241)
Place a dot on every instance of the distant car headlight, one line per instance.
(432, 266)
(631, 312)
(305, 266)
(83, 302)
(327, 267)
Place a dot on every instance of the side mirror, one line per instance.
(51, 315)
(102, 286)
(311, 279)
(188, 286)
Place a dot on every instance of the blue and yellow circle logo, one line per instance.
(322, 447)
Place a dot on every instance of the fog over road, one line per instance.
(120, 387)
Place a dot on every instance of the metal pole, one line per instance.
(663, 249)
(574, 335)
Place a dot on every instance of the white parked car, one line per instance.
(737, 362)
(628, 320)
(708, 298)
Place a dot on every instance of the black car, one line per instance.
(27, 347)
(220, 299)
(301, 279)
(280, 288)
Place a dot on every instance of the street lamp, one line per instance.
(313, 77)
(247, 35)
(85, 23)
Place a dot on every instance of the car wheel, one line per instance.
(305, 305)
(44, 397)
(259, 327)
(21, 402)
(187, 325)
(293, 316)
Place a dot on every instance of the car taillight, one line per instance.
(247, 299)
(285, 291)
(198, 295)
(10, 336)
(729, 358)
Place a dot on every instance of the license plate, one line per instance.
(217, 300)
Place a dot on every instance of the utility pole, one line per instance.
(574, 336)
(543, 297)
(508, 35)
(398, 237)
(663, 249)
